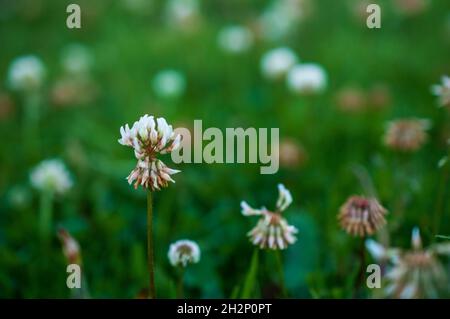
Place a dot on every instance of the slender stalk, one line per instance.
(279, 262)
(180, 287)
(441, 197)
(362, 258)
(46, 214)
(150, 252)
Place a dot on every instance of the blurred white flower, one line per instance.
(415, 273)
(182, 12)
(76, 59)
(169, 84)
(280, 17)
(149, 138)
(184, 252)
(277, 62)
(235, 39)
(443, 91)
(272, 230)
(51, 175)
(26, 73)
(307, 78)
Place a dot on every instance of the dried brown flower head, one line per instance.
(406, 135)
(361, 216)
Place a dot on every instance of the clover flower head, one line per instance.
(51, 175)
(415, 273)
(26, 73)
(169, 84)
(235, 39)
(442, 91)
(76, 59)
(184, 252)
(272, 230)
(276, 63)
(149, 137)
(406, 135)
(361, 216)
(307, 78)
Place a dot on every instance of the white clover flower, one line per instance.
(235, 39)
(277, 62)
(414, 273)
(307, 78)
(184, 252)
(26, 73)
(169, 84)
(182, 11)
(272, 230)
(149, 138)
(443, 91)
(76, 59)
(51, 175)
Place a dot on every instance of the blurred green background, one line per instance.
(129, 42)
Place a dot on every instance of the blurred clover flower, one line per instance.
(272, 230)
(182, 12)
(235, 39)
(415, 273)
(70, 247)
(406, 134)
(77, 59)
(351, 99)
(148, 138)
(169, 84)
(51, 175)
(26, 73)
(361, 216)
(443, 91)
(291, 153)
(184, 252)
(276, 63)
(280, 17)
(308, 78)
(411, 7)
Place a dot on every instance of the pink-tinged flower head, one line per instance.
(272, 230)
(149, 138)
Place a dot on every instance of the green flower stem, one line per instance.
(279, 263)
(46, 214)
(180, 287)
(150, 251)
(31, 120)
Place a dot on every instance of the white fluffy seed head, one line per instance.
(51, 175)
(26, 73)
(277, 62)
(184, 252)
(307, 78)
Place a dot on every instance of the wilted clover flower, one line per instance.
(51, 175)
(235, 39)
(272, 230)
(307, 78)
(169, 84)
(70, 247)
(149, 138)
(184, 252)
(443, 91)
(406, 134)
(26, 73)
(277, 62)
(415, 273)
(361, 216)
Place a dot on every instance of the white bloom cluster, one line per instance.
(180, 12)
(184, 252)
(51, 175)
(443, 91)
(272, 230)
(76, 59)
(148, 138)
(235, 39)
(276, 63)
(169, 84)
(307, 78)
(26, 73)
